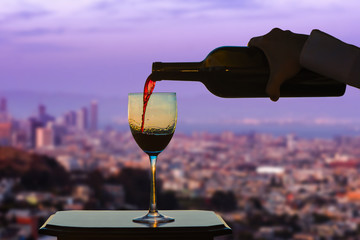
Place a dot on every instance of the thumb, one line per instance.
(273, 87)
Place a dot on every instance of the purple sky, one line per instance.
(106, 47)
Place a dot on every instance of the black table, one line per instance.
(111, 225)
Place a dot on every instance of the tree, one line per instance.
(224, 201)
(168, 200)
(136, 183)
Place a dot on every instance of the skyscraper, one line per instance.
(82, 119)
(4, 116)
(72, 118)
(34, 123)
(44, 137)
(3, 105)
(41, 111)
(93, 116)
(5, 133)
(43, 117)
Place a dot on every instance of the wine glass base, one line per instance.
(152, 218)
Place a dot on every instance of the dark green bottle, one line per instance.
(243, 72)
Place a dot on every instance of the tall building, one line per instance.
(44, 137)
(72, 115)
(4, 116)
(19, 139)
(41, 111)
(70, 119)
(34, 123)
(67, 119)
(43, 116)
(93, 116)
(82, 119)
(3, 105)
(5, 133)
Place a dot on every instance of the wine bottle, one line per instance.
(243, 72)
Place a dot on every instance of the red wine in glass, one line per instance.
(148, 89)
(152, 143)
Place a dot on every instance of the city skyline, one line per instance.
(43, 130)
(311, 117)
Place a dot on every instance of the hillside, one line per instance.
(36, 172)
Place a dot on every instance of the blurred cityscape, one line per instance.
(264, 186)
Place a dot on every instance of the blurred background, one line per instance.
(284, 170)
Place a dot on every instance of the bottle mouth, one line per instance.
(156, 66)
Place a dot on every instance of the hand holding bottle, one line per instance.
(282, 49)
(246, 72)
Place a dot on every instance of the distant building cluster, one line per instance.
(44, 130)
(277, 187)
(280, 187)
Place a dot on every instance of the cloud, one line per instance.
(112, 14)
(189, 8)
(160, 9)
(305, 4)
(39, 31)
(23, 15)
(43, 47)
(126, 19)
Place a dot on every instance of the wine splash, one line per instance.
(148, 89)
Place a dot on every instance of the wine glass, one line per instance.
(158, 128)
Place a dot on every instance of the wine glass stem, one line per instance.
(152, 207)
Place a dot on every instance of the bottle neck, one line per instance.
(186, 71)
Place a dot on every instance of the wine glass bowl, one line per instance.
(159, 126)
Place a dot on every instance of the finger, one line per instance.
(255, 42)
